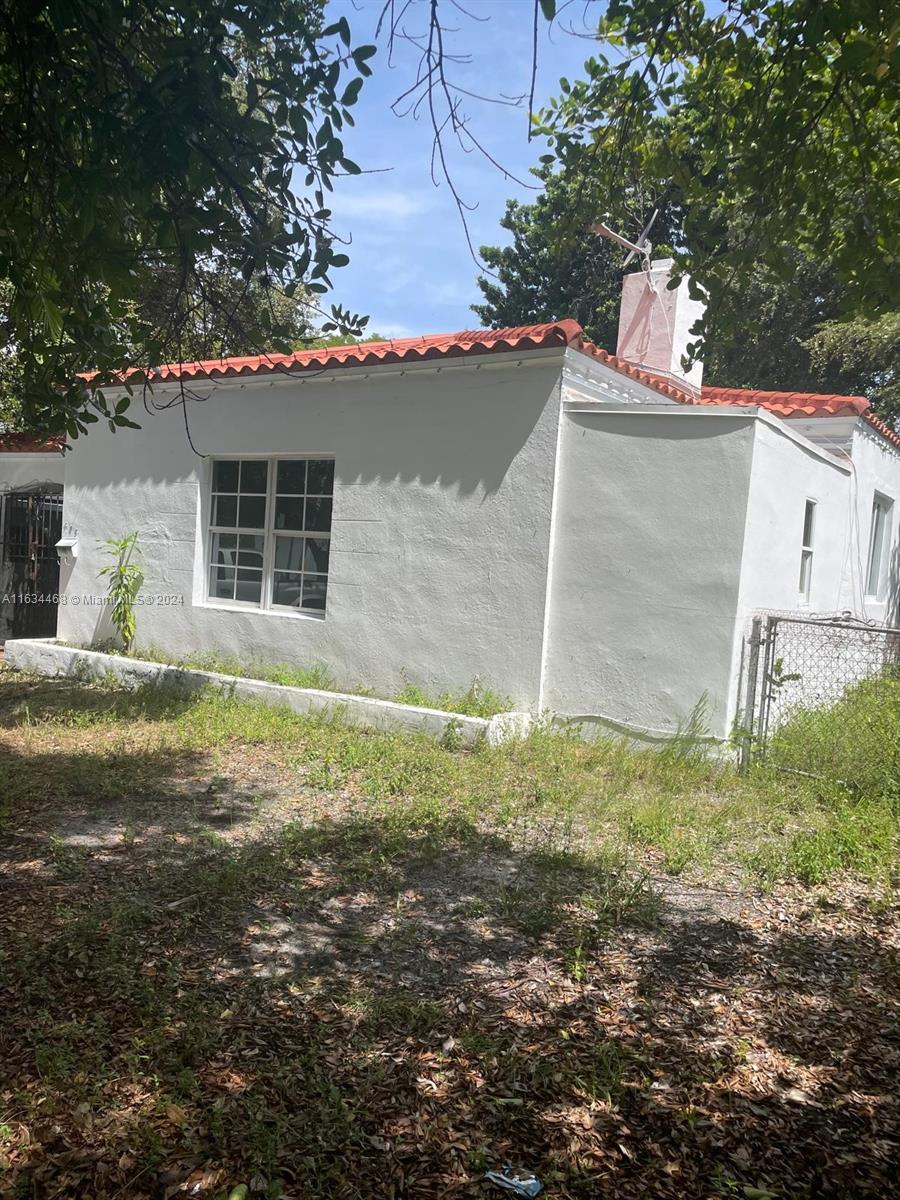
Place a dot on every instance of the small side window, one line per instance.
(879, 541)
(806, 551)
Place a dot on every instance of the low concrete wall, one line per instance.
(47, 657)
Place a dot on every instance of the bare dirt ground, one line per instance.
(233, 977)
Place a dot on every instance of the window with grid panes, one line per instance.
(270, 533)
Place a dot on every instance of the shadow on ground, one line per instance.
(363, 1007)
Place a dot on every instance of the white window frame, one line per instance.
(879, 548)
(807, 548)
(269, 534)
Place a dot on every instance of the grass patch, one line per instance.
(408, 951)
(476, 701)
(854, 743)
(551, 792)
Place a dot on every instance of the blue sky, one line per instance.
(410, 268)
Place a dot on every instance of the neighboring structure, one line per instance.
(29, 463)
(582, 534)
(31, 481)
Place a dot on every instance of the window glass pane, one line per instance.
(249, 586)
(315, 557)
(318, 514)
(286, 589)
(254, 476)
(225, 476)
(314, 588)
(225, 510)
(223, 548)
(288, 513)
(805, 572)
(320, 476)
(252, 512)
(877, 540)
(292, 477)
(288, 553)
(250, 553)
(221, 583)
(809, 518)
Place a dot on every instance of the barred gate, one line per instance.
(798, 667)
(31, 524)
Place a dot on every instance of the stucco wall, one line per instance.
(877, 469)
(646, 565)
(24, 470)
(440, 533)
(786, 473)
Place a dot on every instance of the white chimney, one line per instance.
(655, 322)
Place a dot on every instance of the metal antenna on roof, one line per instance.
(641, 247)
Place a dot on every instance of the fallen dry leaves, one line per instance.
(179, 1018)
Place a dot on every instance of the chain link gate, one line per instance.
(798, 667)
(29, 565)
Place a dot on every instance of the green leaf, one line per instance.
(548, 8)
(362, 53)
(53, 317)
(351, 92)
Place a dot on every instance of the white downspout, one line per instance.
(551, 551)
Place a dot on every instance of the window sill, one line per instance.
(253, 609)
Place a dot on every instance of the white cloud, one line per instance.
(385, 205)
(390, 329)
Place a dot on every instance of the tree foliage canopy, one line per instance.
(774, 124)
(769, 333)
(552, 270)
(216, 315)
(146, 145)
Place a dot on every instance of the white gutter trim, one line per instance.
(582, 370)
(551, 547)
(694, 410)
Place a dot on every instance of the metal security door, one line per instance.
(29, 573)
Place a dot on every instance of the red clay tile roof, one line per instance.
(473, 342)
(802, 404)
(788, 404)
(26, 443)
(567, 333)
(886, 431)
(398, 350)
(649, 378)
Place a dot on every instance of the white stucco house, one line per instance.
(585, 533)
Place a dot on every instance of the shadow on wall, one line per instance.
(682, 430)
(461, 433)
(29, 485)
(471, 450)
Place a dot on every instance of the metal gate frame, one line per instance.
(28, 559)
